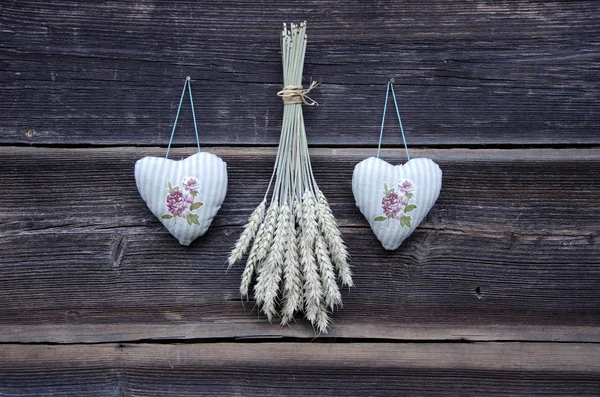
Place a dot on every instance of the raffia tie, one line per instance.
(297, 94)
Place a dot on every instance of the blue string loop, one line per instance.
(387, 94)
(189, 86)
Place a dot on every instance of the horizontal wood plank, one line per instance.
(473, 73)
(497, 258)
(276, 369)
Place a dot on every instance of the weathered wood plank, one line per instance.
(473, 73)
(275, 369)
(534, 191)
(510, 251)
(442, 282)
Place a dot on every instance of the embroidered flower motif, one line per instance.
(406, 186)
(191, 184)
(177, 202)
(392, 204)
(395, 203)
(180, 203)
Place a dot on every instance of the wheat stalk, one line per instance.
(292, 277)
(250, 229)
(266, 289)
(333, 237)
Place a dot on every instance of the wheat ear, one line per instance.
(259, 248)
(331, 292)
(313, 291)
(322, 320)
(266, 289)
(270, 224)
(333, 237)
(250, 229)
(292, 277)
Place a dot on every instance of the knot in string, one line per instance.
(297, 94)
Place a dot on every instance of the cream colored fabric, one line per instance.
(185, 195)
(395, 199)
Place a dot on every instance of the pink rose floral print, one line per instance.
(396, 203)
(180, 201)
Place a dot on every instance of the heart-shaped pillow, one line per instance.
(185, 195)
(395, 199)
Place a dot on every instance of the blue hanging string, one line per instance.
(387, 95)
(187, 84)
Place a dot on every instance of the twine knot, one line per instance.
(297, 94)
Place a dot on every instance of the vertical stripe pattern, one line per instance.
(153, 174)
(368, 182)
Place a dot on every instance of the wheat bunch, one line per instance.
(333, 237)
(297, 242)
(250, 229)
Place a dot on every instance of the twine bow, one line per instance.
(297, 94)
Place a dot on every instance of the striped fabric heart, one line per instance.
(185, 195)
(395, 199)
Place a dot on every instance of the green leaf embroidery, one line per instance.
(193, 218)
(169, 187)
(167, 216)
(380, 219)
(196, 205)
(194, 193)
(410, 195)
(176, 188)
(405, 221)
(409, 208)
(385, 189)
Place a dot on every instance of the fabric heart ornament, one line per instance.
(185, 195)
(395, 199)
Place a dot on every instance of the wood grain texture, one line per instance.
(276, 369)
(510, 252)
(497, 258)
(469, 73)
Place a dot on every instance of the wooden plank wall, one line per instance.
(497, 292)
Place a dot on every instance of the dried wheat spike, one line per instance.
(292, 277)
(263, 240)
(331, 291)
(266, 289)
(270, 224)
(250, 229)
(322, 320)
(333, 237)
(313, 291)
